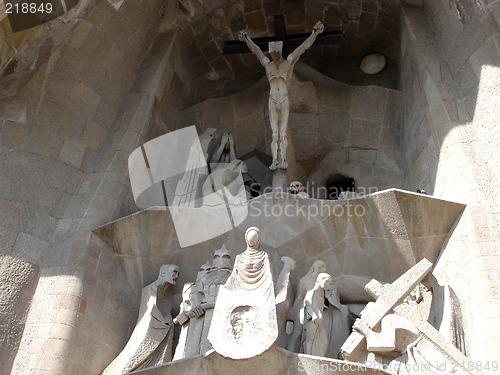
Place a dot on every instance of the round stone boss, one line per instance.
(373, 63)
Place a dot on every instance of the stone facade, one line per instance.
(450, 57)
(79, 94)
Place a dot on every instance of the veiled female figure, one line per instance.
(336, 321)
(306, 283)
(314, 337)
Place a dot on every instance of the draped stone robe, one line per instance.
(244, 323)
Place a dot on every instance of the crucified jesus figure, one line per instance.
(279, 73)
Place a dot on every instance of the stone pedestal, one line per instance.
(280, 181)
(273, 361)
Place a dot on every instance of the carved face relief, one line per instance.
(169, 273)
(275, 49)
(242, 321)
(324, 280)
(296, 187)
(276, 56)
(331, 293)
(318, 267)
(222, 259)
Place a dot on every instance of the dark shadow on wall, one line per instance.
(337, 184)
(368, 27)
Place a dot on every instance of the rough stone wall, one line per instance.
(206, 25)
(334, 128)
(450, 78)
(66, 133)
(18, 280)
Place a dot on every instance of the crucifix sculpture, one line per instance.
(290, 41)
(279, 73)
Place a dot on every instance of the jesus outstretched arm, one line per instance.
(254, 48)
(295, 55)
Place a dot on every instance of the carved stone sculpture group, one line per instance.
(242, 311)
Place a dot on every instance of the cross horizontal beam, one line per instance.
(293, 41)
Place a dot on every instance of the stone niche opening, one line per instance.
(338, 183)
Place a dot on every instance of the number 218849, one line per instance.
(25, 8)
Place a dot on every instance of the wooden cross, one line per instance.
(290, 42)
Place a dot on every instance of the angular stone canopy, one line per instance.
(379, 236)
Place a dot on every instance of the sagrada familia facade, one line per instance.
(253, 186)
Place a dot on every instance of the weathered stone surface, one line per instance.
(437, 133)
(323, 115)
(389, 324)
(197, 308)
